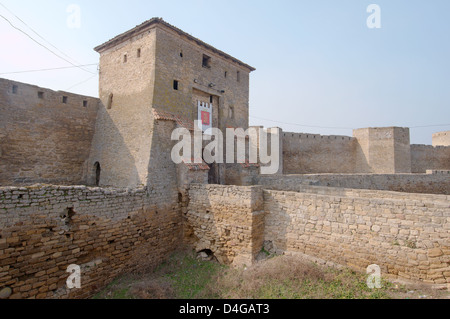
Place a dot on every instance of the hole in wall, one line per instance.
(206, 255)
(70, 212)
(110, 101)
(206, 61)
(98, 172)
(67, 215)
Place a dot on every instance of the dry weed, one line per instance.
(247, 283)
(152, 288)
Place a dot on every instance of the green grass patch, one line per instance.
(184, 276)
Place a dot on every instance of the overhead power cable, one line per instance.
(50, 69)
(84, 81)
(42, 45)
(339, 128)
(303, 125)
(34, 31)
(420, 126)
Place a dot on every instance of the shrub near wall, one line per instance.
(407, 235)
(104, 231)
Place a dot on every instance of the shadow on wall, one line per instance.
(162, 171)
(361, 164)
(45, 135)
(278, 224)
(205, 232)
(111, 162)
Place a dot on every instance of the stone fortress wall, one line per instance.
(45, 136)
(44, 229)
(441, 139)
(369, 151)
(344, 200)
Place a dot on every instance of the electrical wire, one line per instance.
(42, 45)
(313, 126)
(430, 125)
(50, 69)
(339, 128)
(18, 18)
(84, 81)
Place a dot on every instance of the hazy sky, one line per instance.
(319, 67)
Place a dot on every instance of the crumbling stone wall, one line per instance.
(106, 232)
(228, 220)
(405, 234)
(410, 183)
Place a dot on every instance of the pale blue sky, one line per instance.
(317, 63)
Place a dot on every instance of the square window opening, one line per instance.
(15, 89)
(110, 101)
(206, 62)
(85, 103)
(231, 112)
(64, 99)
(40, 94)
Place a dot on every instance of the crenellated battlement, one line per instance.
(441, 138)
(26, 94)
(46, 135)
(316, 136)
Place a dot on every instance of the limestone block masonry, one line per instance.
(151, 80)
(436, 183)
(441, 139)
(227, 220)
(427, 157)
(44, 229)
(45, 135)
(157, 66)
(407, 235)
